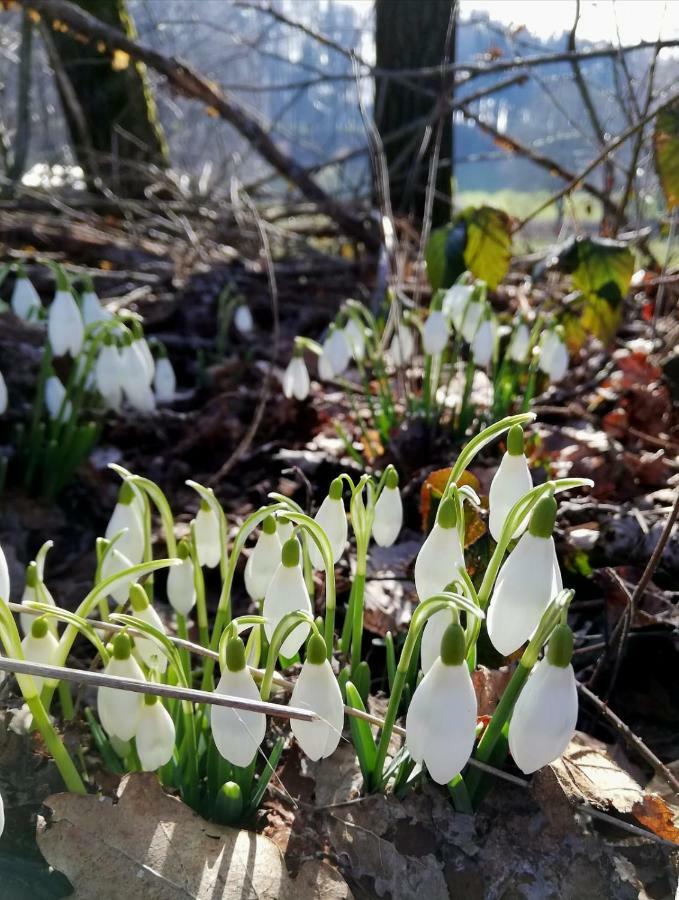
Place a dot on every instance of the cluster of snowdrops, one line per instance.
(214, 748)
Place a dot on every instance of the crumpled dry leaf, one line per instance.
(146, 843)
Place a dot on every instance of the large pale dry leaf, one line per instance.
(146, 843)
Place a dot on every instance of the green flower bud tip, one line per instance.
(315, 650)
(335, 492)
(150, 699)
(453, 645)
(126, 494)
(229, 805)
(32, 575)
(447, 517)
(515, 441)
(183, 549)
(205, 506)
(235, 655)
(391, 481)
(543, 518)
(283, 520)
(138, 598)
(87, 283)
(20, 270)
(122, 646)
(63, 283)
(269, 525)
(39, 627)
(290, 553)
(560, 649)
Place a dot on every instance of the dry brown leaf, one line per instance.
(656, 815)
(146, 843)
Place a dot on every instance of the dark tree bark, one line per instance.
(108, 104)
(412, 34)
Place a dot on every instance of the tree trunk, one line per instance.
(109, 108)
(412, 34)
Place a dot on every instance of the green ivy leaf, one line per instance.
(666, 151)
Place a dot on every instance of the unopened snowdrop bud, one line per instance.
(511, 482)
(242, 319)
(40, 646)
(126, 517)
(65, 327)
(181, 588)
(4, 397)
(115, 562)
(441, 719)
(526, 583)
(546, 713)
(553, 359)
(237, 733)
(436, 332)
(519, 343)
(263, 561)
(57, 405)
(402, 346)
(155, 735)
(332, 518)
(108, 374)
(388, 511)
(164, 380)
(148, 650)
(296, 378)
(287, 593)
(455, 302)
(119, 711)
(25, 300)
(471, 320)
(317, 689)
(355, 337)
(208, 538)
(32, 595)
(483, 344)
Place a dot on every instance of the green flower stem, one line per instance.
(287, 624)
(66, 701)
(183, 634)
(358, 593)
(54, 744)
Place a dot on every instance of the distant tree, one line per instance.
(108, 104)
(412, 34)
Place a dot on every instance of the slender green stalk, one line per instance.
(54, 744)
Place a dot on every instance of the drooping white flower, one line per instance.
(40, 646)
(436, 332)
(325, 370)
(355, 338)
(119, 711)
(511, 482)
(316, 689)
(57, 405)
(296, 379)
(155, 735)
(483, 343)
(527, 581)
(4, 398)
(126, 517)
(441, 556)
(165, 381)
(242, 319)
(237, 733)
(519, 343)
(455, 302)
(471, 320)
(402, 346)
(388, 518)
(93, 311)
(135, 378)
(181, 588)
(332, 518)
(113, 563)
(108, 374)
(263, 561)
(25, 299)
(287, 593)
(546, 713)
(553, 360)
(146, 648)
(336, 354)
(208, 537)
(441, 718)
(65, 327)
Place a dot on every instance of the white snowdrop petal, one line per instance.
(115, 562)
(511, 482)
(432, 634)
(483, 343)
(286, 593)
(25, 299)
(4, 577)
(402, 346)
(332, 518)
(4, 397)
(388, 517)
(317, 689)
(262, 564)
(544, 717)
(155, 736)
(108, 376)
(65, 327)
(296, 379)
(30, 595)
(92, 309)
(164, 381)
(242, 319)
(119, 711)
(40, 650)
(126, 518)
(355, 338)
(181, 589)
(519, 343)
(438, 562)
(455, 301)
(208, 540)
(55, 395)
(338, 352)
(471, 320)
(435, 332)
(148, 650)
(237, 733)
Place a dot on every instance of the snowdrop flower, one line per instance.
(40, 646)
(402, 346)
(34, 592)
(4, 398)
(296, 378)
(4, 577)
(511, 482)
(148, 650)
(120, 711)
(108, 374)
(57, 405)
(135, 377)
(483, 344)
(441, 718)
(436, 332)
(208, 537)
(127, 517)
(519, 343)
(545, 715)
(455, 302)
(142, 349)
(25, 300)
(181, 588)
(92, 309)
(237, 733)
(242, 319)
(65, 328)
(113, 563)
(336, 354)
(286, 593)
(332, 518)
(263, 561)
(471, 319)
(355, 338)
(388, 512)
(155, 734)
(165, 380)
(526, 583)
(553, 355)
(316, 688)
